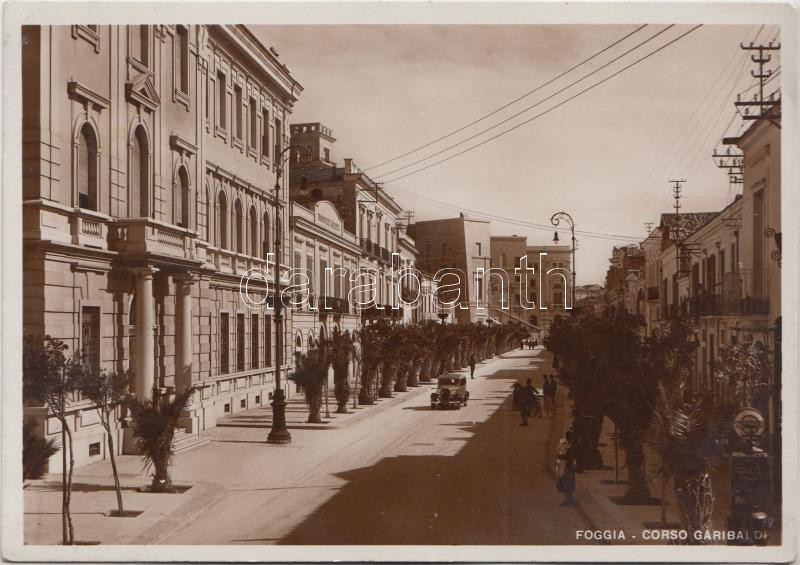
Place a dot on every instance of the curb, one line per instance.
(597, 517)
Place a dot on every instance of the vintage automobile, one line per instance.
(451, 392)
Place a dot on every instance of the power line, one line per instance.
(553, 108)
(512, 102)
(714, 108)
(670, 157)
(540, 102)
(507, 220)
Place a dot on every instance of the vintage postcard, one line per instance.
(400, 282)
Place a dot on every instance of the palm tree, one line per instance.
(310, 374)
(340, 348)
(682, 437)
(36, 451)
(154, 424)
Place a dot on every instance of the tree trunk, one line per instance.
(696, 502)
(64, 502)
(69, 482)
(365, 392)
(385, 390)
(638, 490)
(401, 380)
(413, 371)
(112, 456)
(342, 391)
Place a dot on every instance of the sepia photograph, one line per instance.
(394, 282)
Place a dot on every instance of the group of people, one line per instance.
(525, 398)
(530, 343)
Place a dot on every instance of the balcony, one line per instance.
(333, 305)
(741, 293)
(146, 235)
(384, 254)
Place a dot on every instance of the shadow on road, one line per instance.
(494, 490)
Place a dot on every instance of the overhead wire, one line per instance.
(529, 120)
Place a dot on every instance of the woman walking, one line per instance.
(565, 468)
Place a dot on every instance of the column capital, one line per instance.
(185, 278)
(146, 271)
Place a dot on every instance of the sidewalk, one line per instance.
(94, 496)
(596, 490)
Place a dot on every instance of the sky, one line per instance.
(605, 157)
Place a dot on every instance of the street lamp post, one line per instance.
(555, 219)
(279, 434)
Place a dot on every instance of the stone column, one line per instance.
(145, 340)
(183, 331)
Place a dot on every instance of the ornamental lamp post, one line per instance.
(279, 434)
(555, 219)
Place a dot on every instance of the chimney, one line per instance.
(348, 166)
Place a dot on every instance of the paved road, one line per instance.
(407, 475)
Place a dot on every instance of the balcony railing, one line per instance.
(741, 293)
(146, 235)
(333, 305)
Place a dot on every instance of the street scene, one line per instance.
(544, 311)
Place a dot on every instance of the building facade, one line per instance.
(453, 250)
(149, 161)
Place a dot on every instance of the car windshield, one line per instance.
(448, 381)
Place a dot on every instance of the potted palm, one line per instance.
(154, 425)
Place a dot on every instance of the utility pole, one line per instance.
(764, 109)
(648, 226)
(676, 194)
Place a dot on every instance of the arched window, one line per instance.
(87, 168)
(266, 234)
(253, 232)
(182, 199)
(138, 174)
(238, 219)
(222, 221)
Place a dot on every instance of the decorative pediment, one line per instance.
(86, 95)
(181, 145)
(143, 93)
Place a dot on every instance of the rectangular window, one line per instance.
(254, 357)
(90, 336)
(268, 341)
(240, 342)
(265, 133)
(327, 154)
(94, 449)
(478, 245)
(224, 344)
(207, 93)
(222, 90)
(139, 43)
(323, 276)
(278, 138)
(310, 272)
(298, 261)
(337, 281)
(182, 56)
(237, 99)
(253, 124)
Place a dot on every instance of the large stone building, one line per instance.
(453, 250)
(365, 209)
(149, 160)
(545, 290)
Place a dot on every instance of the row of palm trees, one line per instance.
(644, 386)
(387, 358)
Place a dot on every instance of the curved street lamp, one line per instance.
(555, 219)
(279, 433)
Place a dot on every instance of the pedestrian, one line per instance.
(550, 394)
(472, 365)
(565, 468)
(516, 393)
(528, 397)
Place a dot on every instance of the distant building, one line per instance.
(458, 246)
(545, 291)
